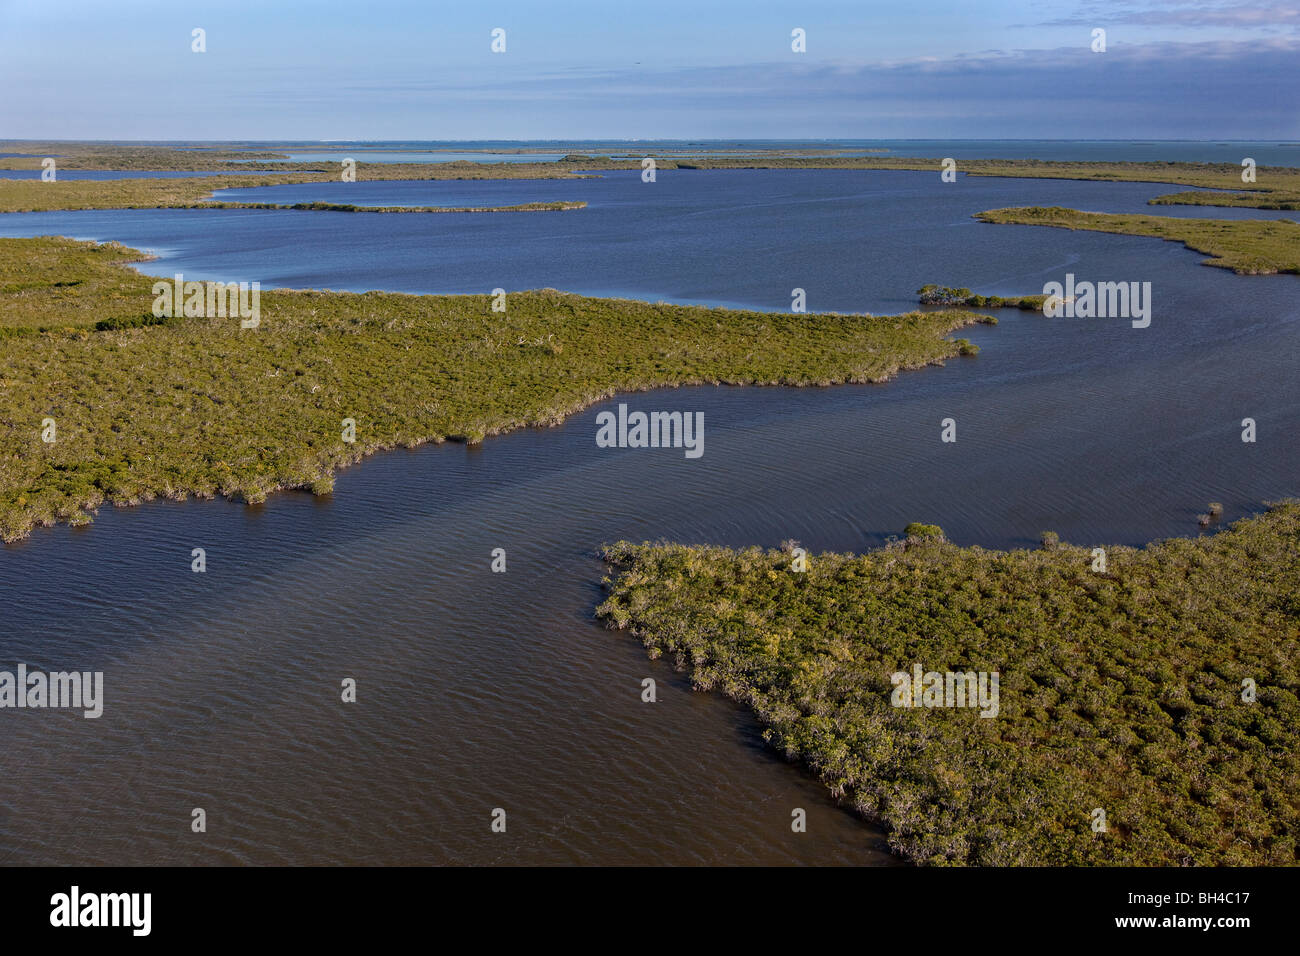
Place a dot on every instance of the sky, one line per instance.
(656, 69)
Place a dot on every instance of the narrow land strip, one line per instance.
(1246, 246)
(144, 407)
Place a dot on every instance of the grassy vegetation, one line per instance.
(146, 158)
(48, 284)
(227, 156)
(1120, 690)
(1251, 200)
(178, 156)
(32, 195)
(1277, 187)
(948, 297)
(1247, 246)
(199, 406)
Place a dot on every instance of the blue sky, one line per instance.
(581, 69)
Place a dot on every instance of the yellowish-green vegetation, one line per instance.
(1246, 246)
(100, 156)
(1250, 200)
(32, 195)
(1120, 691)
(59, 284)
(198, 406)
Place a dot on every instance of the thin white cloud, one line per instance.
(1243, 14)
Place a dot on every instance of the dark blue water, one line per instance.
(481, 690)
(853, 240)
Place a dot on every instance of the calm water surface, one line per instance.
(481, 690)
(1264, 152)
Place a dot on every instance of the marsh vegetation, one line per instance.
(942, 295)
(1164, 690)
(199, 406)
(1246, 246)
(1216, 183)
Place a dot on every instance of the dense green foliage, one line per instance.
(916, 529)
(948, 297)
(1247, 246)
(1120, 690)
(201, 406)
